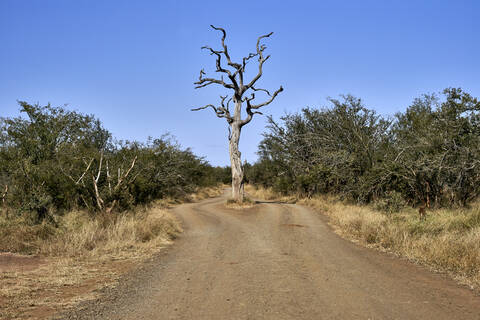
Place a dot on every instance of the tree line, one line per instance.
(53, 160)
(429, 154)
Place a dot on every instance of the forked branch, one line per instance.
(203, 82)
(258, 106)
(225, 49)
(261, 60)
(251, 109)
(221, 112)
(98, 198)
(235, 73)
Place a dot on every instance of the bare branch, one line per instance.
(80, 179)
(97, 194)
(85, 202)
(236, 84)
(203, 82)
(221, 112)
(100, 202)
(225, 49)
(261, 60)
(218, 53)
(4, 195)
(108, 178)
(268, 101)
(99, 168)
(245, 60)
(219, 60)
(250, 108)
(86, 170)
(225, 108)
(228, 104)
(124, 176)
(205, 107)
(250, 113)
(67, 175)
(259, 89)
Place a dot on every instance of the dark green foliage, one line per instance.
(430, 153)
(52, 159)
(438, 149)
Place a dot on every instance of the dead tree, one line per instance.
(113, 186)
(234, 71)
(4, 195)
(121, 180)
(4, 200)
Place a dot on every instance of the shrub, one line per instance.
(392, 202)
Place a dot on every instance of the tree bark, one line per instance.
(236, 163)
(235, 73)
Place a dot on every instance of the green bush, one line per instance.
(392, 202)
(55, 160)
(430, 152)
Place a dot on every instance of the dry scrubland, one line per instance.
(83, 254)
(447, 241)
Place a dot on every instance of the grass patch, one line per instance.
(80, 234)
(210, 192)
(268, 194)
(82, 253)
(234, 204)
(448, 240)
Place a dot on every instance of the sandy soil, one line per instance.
(275, 261)
(10, 262)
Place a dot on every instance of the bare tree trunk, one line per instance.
(235, 72)
(236, 162)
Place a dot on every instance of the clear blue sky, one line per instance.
(133, 63)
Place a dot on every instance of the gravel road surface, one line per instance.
(275, 261)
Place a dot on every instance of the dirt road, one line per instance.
(276, 261)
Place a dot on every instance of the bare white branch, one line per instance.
(99, 167)
(85, 172)
(4, 195)
(122, 177)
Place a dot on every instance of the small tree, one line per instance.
(235, 73)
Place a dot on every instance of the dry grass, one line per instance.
(82, 255)
(448, 240)
(268, 194)
(210, 192)
(80, 234)
(246, 204)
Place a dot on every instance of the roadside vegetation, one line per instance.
(83, 206)
(429, 154)
(370, 175)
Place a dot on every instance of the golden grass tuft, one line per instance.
(209, 192)
(267, 194)
(81, 234)
(448, 240)
(246, 204)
